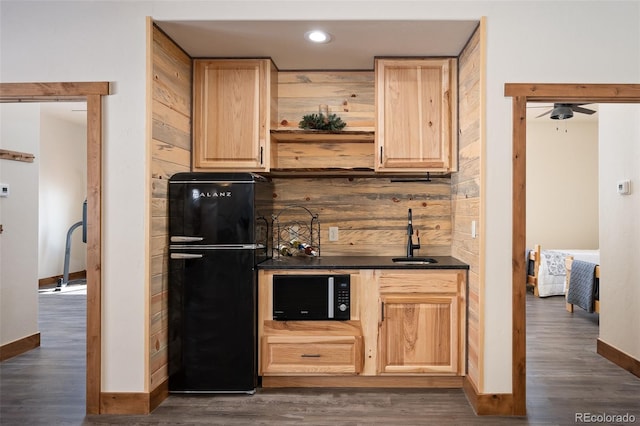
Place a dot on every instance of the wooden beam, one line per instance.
(94, 252)
(16, 156)
(46, 92)
(587, 93)
(518, 368)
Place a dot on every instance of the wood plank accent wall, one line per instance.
(349, 94)
(466, 197)
(170, 153)
(371, 213)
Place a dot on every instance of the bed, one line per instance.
(546, 269)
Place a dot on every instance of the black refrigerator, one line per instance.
(219, 230)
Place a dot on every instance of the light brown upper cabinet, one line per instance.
(416, 115)
(235, 106)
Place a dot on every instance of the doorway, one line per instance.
(62, 185)
(521, 94)
(91, 93)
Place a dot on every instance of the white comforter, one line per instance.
(552, 274)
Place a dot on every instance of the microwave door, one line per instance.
(311, 297)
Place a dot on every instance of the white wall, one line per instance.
(100, 41)
(19, 131)
(63, 189)
(620, 228)
(562, 183)
(66, 41)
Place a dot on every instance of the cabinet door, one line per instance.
(416, 115)
(231, 114)
(419, 334)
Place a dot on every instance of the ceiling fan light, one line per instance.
(561, 112)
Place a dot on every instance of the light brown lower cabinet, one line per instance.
(418, 334)
(311, 354)
(405, 325)
(422, 324)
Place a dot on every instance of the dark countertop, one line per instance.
(357, 262)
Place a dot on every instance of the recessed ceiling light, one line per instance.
(318, 36)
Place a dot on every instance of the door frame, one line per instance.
(91, 93)
(521, 94)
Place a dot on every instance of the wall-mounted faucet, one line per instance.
(410, 246)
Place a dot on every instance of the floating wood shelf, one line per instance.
(319, 150)
(304, 153)
(16, 156)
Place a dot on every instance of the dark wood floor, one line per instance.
(47, 385)
(565, 376)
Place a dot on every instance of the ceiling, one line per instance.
(354, 44)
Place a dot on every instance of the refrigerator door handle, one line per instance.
(183, 239)
(216, 247)
(185, 256)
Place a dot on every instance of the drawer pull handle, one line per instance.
(310, 355)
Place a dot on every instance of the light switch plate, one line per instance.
(4, 189)
(333, 233)
(624, 187)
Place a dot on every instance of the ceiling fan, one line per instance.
(564, 111)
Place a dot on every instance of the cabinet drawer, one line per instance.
(421, 281)
(311, 355)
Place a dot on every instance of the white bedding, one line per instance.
(591, 256)
(552, 276)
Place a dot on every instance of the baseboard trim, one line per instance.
(19, 346)
(133, 402)
(159, 394)
(618, 357)
(361, 382)
(45, 282)
(487, 404)
(124, 403)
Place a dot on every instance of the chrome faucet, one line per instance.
(410, 246)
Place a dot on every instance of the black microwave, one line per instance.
(311, 297)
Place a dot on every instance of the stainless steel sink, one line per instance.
(414, 260)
